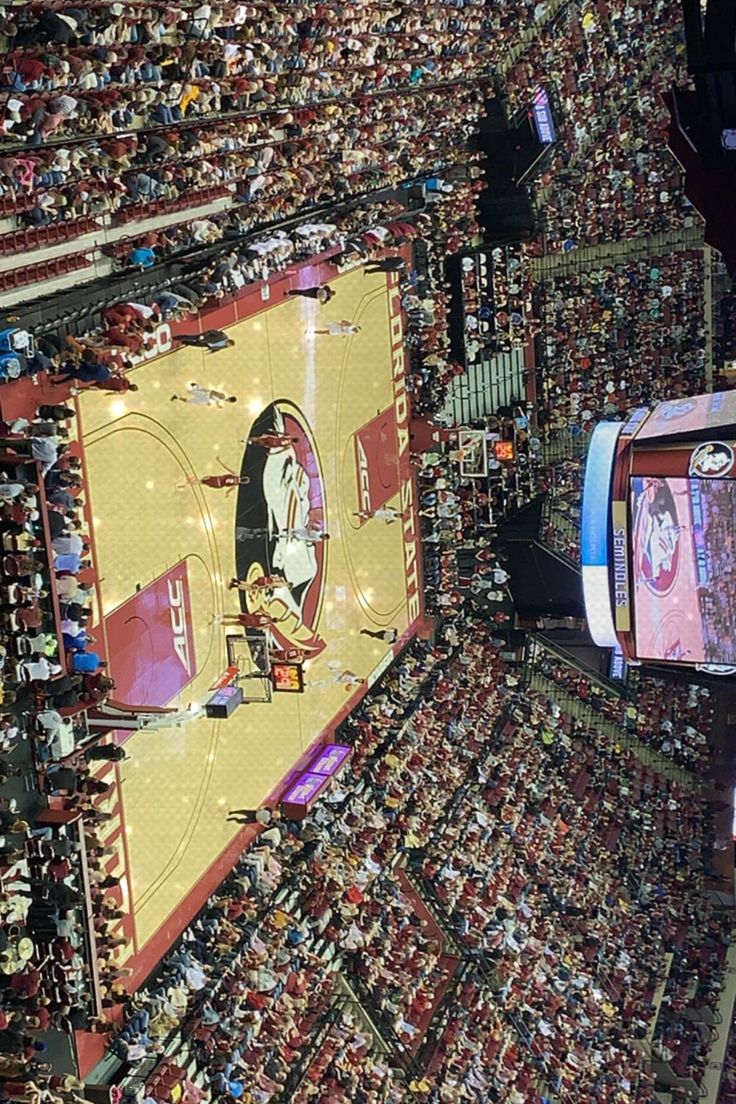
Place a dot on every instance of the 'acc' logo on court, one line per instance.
(177, 612)
(364, 478)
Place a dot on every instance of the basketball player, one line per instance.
(338, 329)
(263, 582)
(321, 292)
(389, 514)
(385, 264)
(244, 532)
(273, 441)
(301, 533)
(214, 340)
(344, 678)
(247, 620)
(389, 636)
(228, 479)
(308, 536)
(203, 396)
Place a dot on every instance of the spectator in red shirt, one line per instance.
(29, 616)
(39, 1019)
(27, 983)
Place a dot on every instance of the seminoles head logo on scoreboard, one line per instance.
(285, 493)
(656, 550)
(711, 460)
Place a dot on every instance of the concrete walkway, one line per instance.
(92, 243)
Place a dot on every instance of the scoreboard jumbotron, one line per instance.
(658, 541)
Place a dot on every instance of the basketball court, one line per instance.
(166, 547)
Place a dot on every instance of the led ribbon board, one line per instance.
(595, 530)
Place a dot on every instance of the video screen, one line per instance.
(683, 568)
(688, 415)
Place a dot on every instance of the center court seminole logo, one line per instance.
(284, 496)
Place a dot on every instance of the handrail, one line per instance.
(300, 1070)
(424, 890)
(399, 1050)
(541, 641)
(483, 74)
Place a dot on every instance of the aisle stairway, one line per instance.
(619, 252)
(486, 386)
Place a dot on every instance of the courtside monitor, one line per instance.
(658, 545)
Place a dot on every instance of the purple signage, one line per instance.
(542, 112)
(305, 790)
(331, 758)
(310, 784)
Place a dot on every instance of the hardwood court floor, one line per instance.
(160, 545)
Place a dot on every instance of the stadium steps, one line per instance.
(361, 1011)
(649, 758)
(434, 908)
(666, 1076)
(561, 532)
(486, 386)
(345, 994)
(625, 251)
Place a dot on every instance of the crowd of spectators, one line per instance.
(620, 337)
(98, 75)
(45, 465)
(610, 177)
(566, 938)
(283, 110)
(501, 803)
(55, 894)
(98, 70)
(671, 719)
(675, 720)
(717, 604)
(346, 1067)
